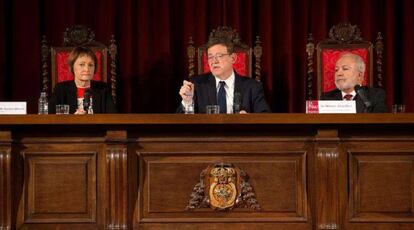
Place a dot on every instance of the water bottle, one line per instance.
(43, 104)
(189, 107)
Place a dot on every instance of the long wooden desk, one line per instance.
(133, 171)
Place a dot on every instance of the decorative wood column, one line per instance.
(5, 180)
(327, 180)
(116, 180)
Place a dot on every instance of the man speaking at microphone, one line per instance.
(349, 73)
(223, 86)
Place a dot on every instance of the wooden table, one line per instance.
(137, 171)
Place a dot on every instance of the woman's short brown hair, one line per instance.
(78, 52)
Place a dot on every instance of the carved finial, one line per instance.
(191, 56)
(345, 33)
(113, 51)
(45, 52)
(230, 34)
(310, 46)
(310, 49)
(258, 51)
(379, 49)
(78, 35)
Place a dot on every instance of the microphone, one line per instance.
(87, 99)
(362, 94)
(237, 101)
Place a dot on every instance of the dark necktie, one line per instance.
(221, 97)
(348, 97)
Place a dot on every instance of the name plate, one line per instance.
(330, 107)
(13, 107)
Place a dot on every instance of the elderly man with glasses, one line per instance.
(223, 86)
(349, 73)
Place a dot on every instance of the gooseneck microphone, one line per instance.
(362, 94)
(237, 101)
(87, 99)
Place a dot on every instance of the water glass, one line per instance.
(398, 108)
(213, 109)
(62, 109)
(189, 108)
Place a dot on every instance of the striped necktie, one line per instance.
(348, 97)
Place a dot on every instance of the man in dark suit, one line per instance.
(222, 86)
(349, 73)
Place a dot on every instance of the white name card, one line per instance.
(330, 107)
(13, 107)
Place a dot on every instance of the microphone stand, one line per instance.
(361, 92)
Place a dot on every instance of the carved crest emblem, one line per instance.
(223, 187)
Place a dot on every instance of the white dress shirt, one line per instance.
(229, 87)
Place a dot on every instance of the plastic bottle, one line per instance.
(43, 104)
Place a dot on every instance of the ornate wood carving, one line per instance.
(78, 35)
(45, 53)
(258, 51)
(198, 198)
(191, 56)
(117, 181)
(248, 196)
(5, 181)
(5, 189)
(113, 51)
(345, 33)
(116, 164)
(223, 187)
(230, 34)
(310, 49)
(379, 48)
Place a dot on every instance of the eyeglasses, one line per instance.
(218, 56)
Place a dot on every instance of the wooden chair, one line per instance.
(55, 68)
(343, 38)
(243, 66)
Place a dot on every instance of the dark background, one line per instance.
(152, 37)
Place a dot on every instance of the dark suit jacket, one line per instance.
(374, 95)
(251, 94)
(66, 93)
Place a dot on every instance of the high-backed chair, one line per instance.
(55, 67)
(343, 38)
(243, 66)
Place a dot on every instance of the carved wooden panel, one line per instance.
(327, 196)
(325, 179)
(381, 186)
(351, 172)
(5, 188)
(60, 187)
(117, 186)
(278, 179)
(5, 180)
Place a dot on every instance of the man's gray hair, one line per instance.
(360, 64)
